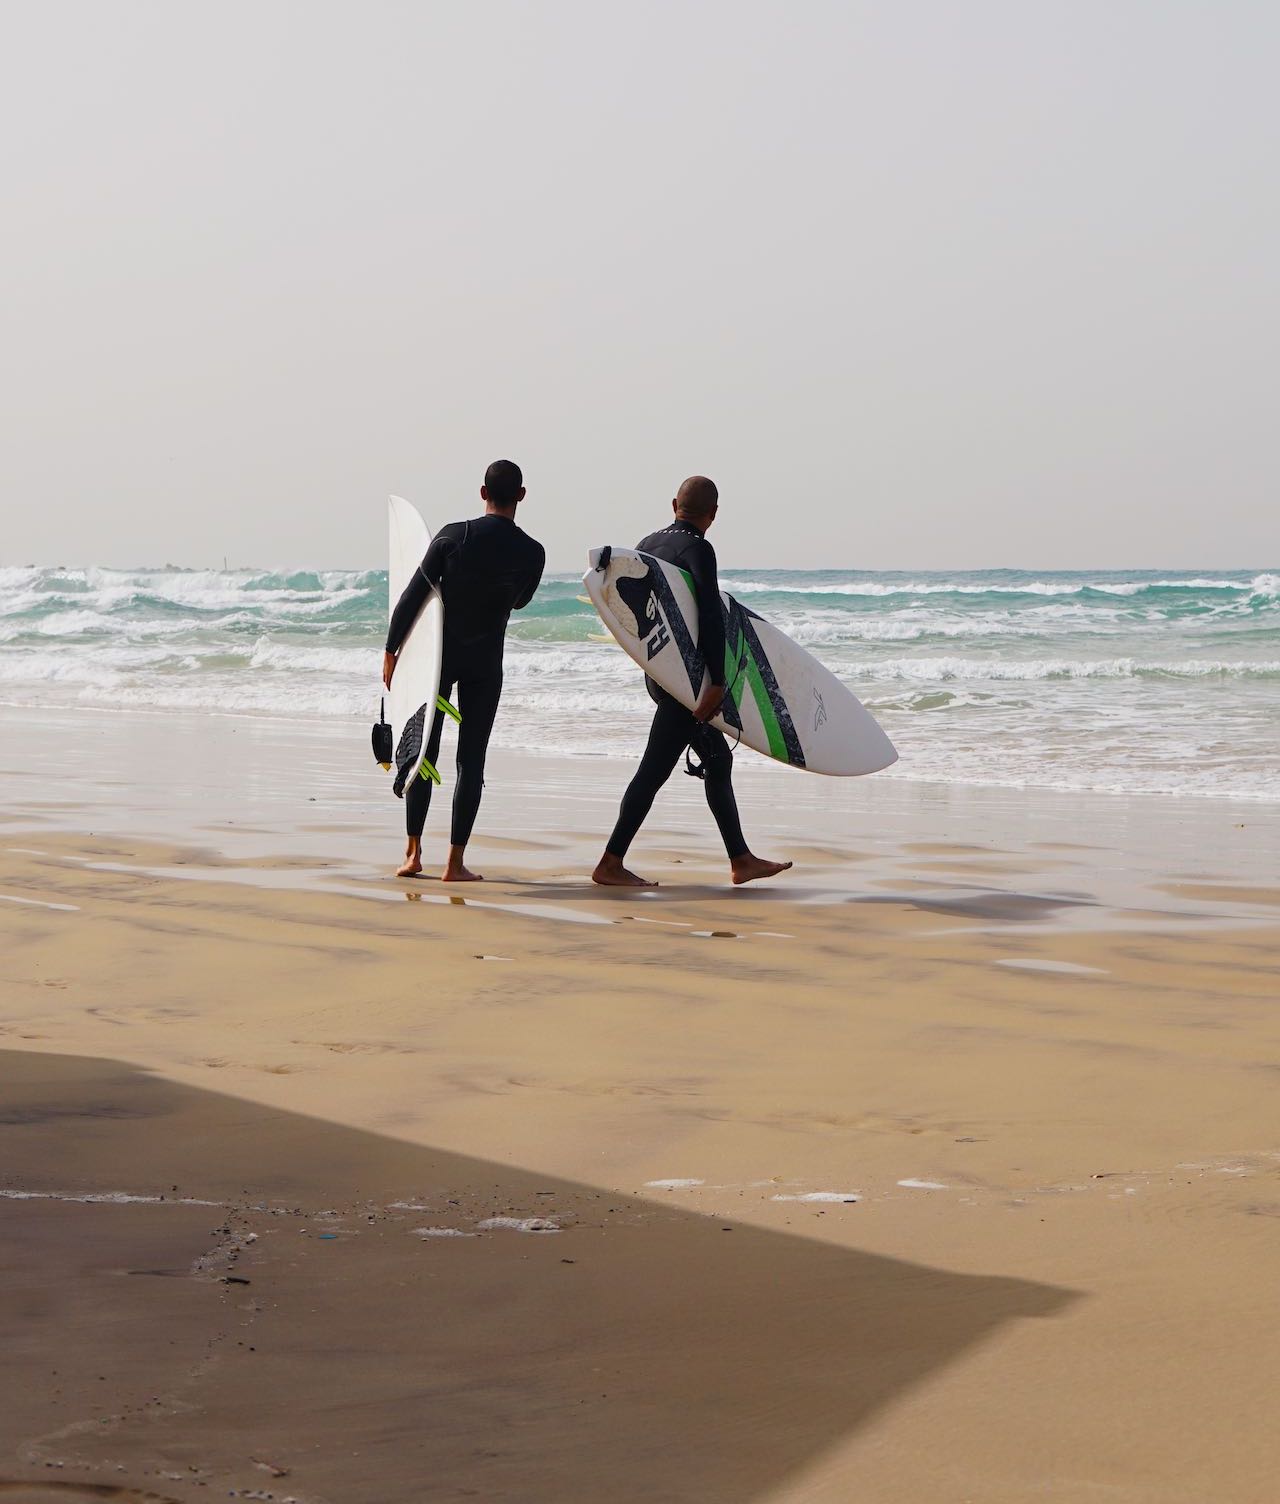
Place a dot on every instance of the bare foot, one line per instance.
(412, 860)
(610, 873)
(746, 869)
(455, 868)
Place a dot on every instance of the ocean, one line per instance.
(1136, 682)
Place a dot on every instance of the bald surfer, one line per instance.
(485, 569)
(676, 729)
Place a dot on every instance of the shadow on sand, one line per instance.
(993, 905)
(300, 1336)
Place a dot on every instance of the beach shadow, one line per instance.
(640, 1353)
(1003, 908)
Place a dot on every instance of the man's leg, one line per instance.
(478, 704)
(717, 762)
(417, 799)
(717, 772)
(668, 737)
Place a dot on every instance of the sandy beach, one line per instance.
(891, 387)
(944, 1169)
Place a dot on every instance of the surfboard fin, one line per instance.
(428, 771)
(452, 710)
(382, 746)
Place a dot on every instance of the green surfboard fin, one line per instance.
(443, 704)
(427, 771)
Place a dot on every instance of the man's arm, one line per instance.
(706, 584)
(427, 575)
(534, 580)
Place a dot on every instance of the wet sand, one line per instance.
(944, 1169)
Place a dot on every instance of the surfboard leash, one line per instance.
(700, 771)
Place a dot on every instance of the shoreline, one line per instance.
(348, 730)
(160, 765)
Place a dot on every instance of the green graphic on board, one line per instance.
(742, 670)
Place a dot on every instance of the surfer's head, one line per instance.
(696, 501)
(503, 486)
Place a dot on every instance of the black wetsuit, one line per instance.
(486, 569)
(674, 728)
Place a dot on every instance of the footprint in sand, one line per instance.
(357, 1046)
(147, 1015)
(104, 1015)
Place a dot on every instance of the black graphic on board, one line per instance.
(790, 738)
(648, 597)
(735, 665)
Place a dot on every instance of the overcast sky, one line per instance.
(919, 285)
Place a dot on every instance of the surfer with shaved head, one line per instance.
(485, 569)
(676, 729)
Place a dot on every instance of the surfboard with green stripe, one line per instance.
(779, 699)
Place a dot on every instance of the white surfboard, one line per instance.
(780, 700)
(416, 681)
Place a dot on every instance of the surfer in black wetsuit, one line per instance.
(485, 569)
(674, 728)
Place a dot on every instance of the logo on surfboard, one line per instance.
(642, 601)
(820, 711)
(654, 645)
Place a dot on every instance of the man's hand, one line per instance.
(388, 668)
(709, 701)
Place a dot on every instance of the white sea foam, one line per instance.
(1138, 682)
(39, 903)
(517, 1224)
(994, 670)
(357, 659)
(1067, 968)
(107, 1198)
(734, 585)
(844, 1196)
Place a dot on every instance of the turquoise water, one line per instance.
(1134, 681)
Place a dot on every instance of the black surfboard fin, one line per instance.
(383, 749)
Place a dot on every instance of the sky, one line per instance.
(921, 286)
